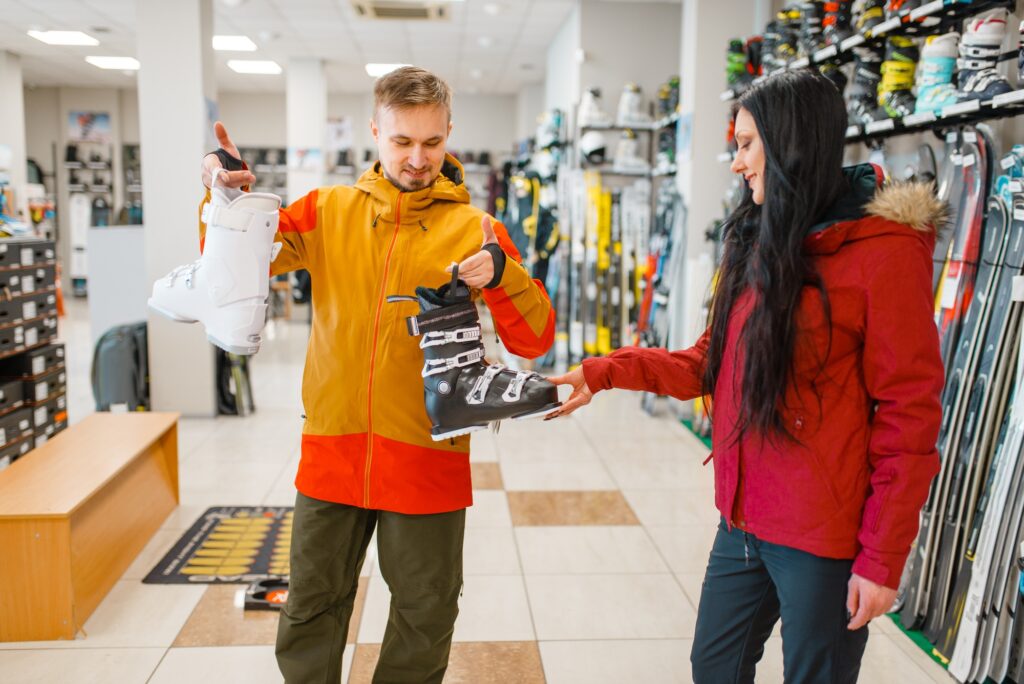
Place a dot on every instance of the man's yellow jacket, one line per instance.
(366, 439)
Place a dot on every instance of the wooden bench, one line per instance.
(75, 513)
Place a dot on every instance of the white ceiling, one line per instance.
(329, 29)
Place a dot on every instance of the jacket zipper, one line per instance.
(373, 352)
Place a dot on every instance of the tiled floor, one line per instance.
(584, 554)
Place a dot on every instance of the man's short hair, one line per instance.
(409, 87)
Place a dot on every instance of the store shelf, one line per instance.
(973, 111)
(942, 12)
(663, 173)
(639, 126)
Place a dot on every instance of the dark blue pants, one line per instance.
(748, 586)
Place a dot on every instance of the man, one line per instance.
(368, 460)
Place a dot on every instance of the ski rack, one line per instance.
(946, 11)
(656, 125)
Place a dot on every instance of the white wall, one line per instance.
(562, 84)
(42, 121)
(529, 105)
(483, 122)
(625, 42)
(12, 121)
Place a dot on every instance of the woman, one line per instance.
(822, 361)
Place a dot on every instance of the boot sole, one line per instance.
(168, 314)
(550, 408)
(457, 432)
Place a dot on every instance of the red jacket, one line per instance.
(854, 485)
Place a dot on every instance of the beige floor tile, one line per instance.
(486, 476)
(575, 607)
(662, 661)
(229, 665)
(547, 448)
(482, 448)
(80, 665)
(184, 516)
(508, 662)
(678, 472)
(556, 476)
(685, 548)
(217, 483)
(670, 508)
(570, 508)
(151, 554)
(914, 653)
(691, 583)
(490, 609)
(490, 551)
(582, 549)
(489, 509)
(133, 615)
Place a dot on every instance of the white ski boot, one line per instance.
(631, 107)
(590, 112)
(627, 155)
(227, 288)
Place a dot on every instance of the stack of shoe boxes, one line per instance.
(33, 380)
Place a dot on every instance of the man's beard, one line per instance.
(404, 188)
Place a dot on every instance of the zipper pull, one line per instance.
(746, 551)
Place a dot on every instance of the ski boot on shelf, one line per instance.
(631, 109)
(769, 45)
(227, 288)
(936, 73)
(788, 47)
(867, 15)
(590, 112)
(810, 28)
(979, 54)
(836, 24)
(862, 97)
(627, 154)
(736, 75)
(895, 91)
(462, 392)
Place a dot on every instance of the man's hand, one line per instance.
(232, 179)
(478, 270)
(581, 394)
(866, 600)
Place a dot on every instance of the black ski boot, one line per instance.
(810, 28)
(836, 25)
(867, 14)
(462, 392)
(862, 98)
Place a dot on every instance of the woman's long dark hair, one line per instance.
(801, 120)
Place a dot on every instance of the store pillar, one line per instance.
(306, 114)
(177, 100)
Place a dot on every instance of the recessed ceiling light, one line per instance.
(64, 37)
(378, 70)
(485, 41)
(476, 73)
(117, 63)
(233, 44)
(254, 66)
(492, 8)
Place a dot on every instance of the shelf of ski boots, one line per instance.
(830, 34)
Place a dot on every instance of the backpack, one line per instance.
(120, 369)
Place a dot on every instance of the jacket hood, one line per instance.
(874, 207)
(449, 186)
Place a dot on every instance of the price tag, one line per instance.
(851, 42)
(31, 337)
(1007, 161)
(1009, 98)
(28, 310)
(918, 119)
(38, 365)
(827, 53)
(1018, 289)
(40, 416)
(962, 108)
(949, 289)
(28, 284)
(42, 390)
(1016, 186)
(879, 126)
(1018, 214)
(970, 136)
(886, 26)
(969, 160)
(28, 256)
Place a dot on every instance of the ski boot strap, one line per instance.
(457, 336)
(226, 217)
(442, 319)
(438, 366)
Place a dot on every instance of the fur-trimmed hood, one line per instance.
(874, 207)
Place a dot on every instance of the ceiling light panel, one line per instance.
(64, 38)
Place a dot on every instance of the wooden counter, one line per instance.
(74, 514)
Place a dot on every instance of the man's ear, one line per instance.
(374, 131)
(450, 124)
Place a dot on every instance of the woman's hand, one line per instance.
(581, 394)
(866, 600)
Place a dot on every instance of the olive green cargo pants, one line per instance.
(420, 558)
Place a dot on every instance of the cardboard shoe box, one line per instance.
(21, 252)
(33, 362)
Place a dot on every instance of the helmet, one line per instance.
(593, 147)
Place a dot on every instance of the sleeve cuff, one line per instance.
(595, 372)
(877, 572)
